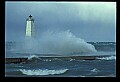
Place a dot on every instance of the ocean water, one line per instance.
(51, 55)
(52, 65)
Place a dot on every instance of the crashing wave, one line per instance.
(43, 71)
(33, 56)
(56, 42)
(108, 58)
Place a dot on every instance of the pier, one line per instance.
(15, 60)
(20, 60)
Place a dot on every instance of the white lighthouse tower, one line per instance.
(30, 27)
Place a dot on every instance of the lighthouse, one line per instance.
(30, 27)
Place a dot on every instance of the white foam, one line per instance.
(43, 72)
(108, 58)
(95, 70)
(47, 60)
(72, 59)
(32, 56)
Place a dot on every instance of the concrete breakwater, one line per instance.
(15, 60)
(20, 60)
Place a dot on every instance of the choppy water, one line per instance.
(64, 67)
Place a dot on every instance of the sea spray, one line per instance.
(56, 42)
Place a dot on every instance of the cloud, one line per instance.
(80, 17)
(101, 12)
(104, 12)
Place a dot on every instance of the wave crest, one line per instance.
(33, 56)
(43, 72)
(108, 58)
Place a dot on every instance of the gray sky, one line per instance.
(88, 20)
